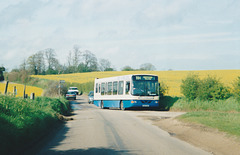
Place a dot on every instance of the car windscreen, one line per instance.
(71, 93)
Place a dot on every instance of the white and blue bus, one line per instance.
(128, 91)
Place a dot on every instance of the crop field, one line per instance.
(20, 89)
(172, 79)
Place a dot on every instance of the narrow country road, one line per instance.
(104, 131)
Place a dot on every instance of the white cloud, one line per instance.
(123, 31)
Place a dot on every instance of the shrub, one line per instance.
(211, 88)
(53, 89)
(189, 87)
(163, 88)
(236, 88)
(24, 120)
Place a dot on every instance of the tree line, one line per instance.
(45, 62)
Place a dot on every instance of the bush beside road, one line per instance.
(24, 120)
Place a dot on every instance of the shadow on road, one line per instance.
(93, 151)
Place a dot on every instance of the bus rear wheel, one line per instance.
(121, 106)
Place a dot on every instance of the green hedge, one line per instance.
(209, 88)
(24, 120)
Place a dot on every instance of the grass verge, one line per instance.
(24, 120)
(223, 121)
(223, 115)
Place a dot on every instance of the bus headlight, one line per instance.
(133, 101)
(156, 101)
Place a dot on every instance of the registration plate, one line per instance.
(145, 105)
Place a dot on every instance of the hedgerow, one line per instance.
(24, 120)
(209, 88)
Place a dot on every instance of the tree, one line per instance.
(127, 68)
(50, 57)
(147, 67)
(40, 62)
(89, 63)
(76, 57)
(32, 65)
(105, 65)
(1, 73)
(23, 66)
(35, 64)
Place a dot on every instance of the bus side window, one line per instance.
(109, 88)
(127, 87)
(103, 89)
(106, 88)
(99, 87)
(96, 88)
(120, 88)
(115, 84)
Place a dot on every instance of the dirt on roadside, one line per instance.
(211, 140)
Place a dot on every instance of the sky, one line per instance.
(170, 34)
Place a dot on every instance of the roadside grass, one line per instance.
(223, 121)
(223, 115)
(229, 105)
(24, 120)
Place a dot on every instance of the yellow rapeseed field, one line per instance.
(20, 88)
(172, 79)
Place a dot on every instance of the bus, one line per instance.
(128, 91)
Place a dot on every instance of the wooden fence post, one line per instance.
(32, 96)
(14, 90)
(24, 95)
(6, 88)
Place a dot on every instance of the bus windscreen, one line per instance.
(145, 85)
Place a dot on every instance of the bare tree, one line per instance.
(76, 55)
(69, 59)
(89, 63)
(105, 65)
(40, 62)
(50, 57)
(23, 66)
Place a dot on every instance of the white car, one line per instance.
(73, 89)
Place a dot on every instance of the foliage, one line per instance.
(127, 68)
(212, 89)
(163, 88)
(236, 90)
(206, 89)
(24, 120)
(18, 76)
(189, 87)
(52, 90)
(1, 73)
(147, 67)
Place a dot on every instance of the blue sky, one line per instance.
(170, 34)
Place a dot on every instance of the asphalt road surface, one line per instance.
(106, 131)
